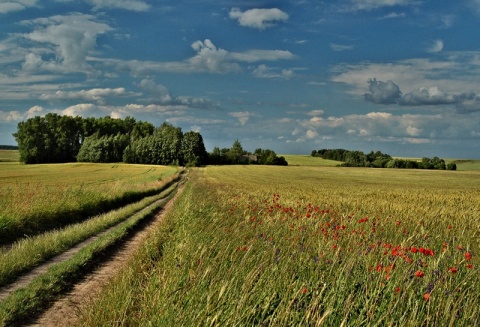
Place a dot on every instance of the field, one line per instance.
(305, 246)
(35, 198)
(9, 156)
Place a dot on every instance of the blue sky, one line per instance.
(399, 76)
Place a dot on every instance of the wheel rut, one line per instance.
(65, 310)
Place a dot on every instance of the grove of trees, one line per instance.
(57, 139)
(237, 155)
(380, 160)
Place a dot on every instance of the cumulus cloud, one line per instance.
(133, 5)
(16, 5)
(381, 126)
(427, 96)
(389, 93)
(382, 93)
(211, 59)
(258, 18)
(66, 40)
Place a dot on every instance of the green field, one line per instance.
(9, 156)
(305, 246)
(35, 198)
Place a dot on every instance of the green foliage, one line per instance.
(378, 160)
(56, 139)
(107, 148)
(52, 138)
(193, 149)
(236, 155)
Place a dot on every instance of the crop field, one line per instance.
(9, 156)
(306, 246)
(34, 198)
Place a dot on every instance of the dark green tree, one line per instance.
(193, 149)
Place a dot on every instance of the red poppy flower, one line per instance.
(414, 249)
(469, 266)
(453, 270)
(426, 296)
(468, 256)
(419, 273)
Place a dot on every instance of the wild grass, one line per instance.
(37, 198)
(290, 246)
(27, 253)
(25, 302)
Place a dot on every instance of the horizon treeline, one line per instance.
(59, 139)
(380, 160)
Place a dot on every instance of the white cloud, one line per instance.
(315, 113)
(242, 116)
(68, 39)
(208, 59)
(258, 18)
(263, 71)
(134, 5)
(427, 96)
(454, 73)
(355, 5)
(437, 46)
(262, 55)
(97, 95)
(394, 15)
(11, 116)
(82, 109)
(341, 47)
(413, 131)
(15, 5)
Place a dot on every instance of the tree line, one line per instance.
(57, 139)
(380, 160)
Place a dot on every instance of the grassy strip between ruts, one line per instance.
(25, 302)
(28, 253)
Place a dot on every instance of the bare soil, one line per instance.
(65, 311)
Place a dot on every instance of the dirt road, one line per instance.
(64, 312)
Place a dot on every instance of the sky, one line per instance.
(398, 76)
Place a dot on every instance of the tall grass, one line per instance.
(287, 246)
(36, 198)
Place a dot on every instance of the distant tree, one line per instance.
(52, 138)
(451, 166)
(193, 149)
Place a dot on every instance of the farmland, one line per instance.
(306, 245)
(35, 198)
(87, 209)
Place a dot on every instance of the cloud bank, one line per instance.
(389, 93)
